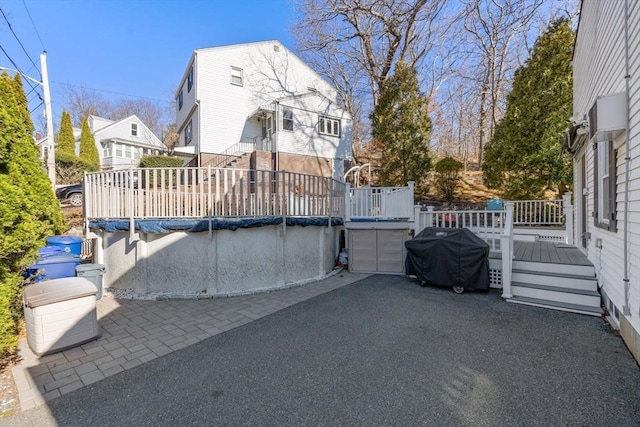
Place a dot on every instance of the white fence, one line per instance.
(209, 192)
(538, 212)
(379, 202)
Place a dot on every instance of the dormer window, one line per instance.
(134, 129)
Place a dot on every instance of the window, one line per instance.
(107, 149)
(180, 99)
(127, 151)
(287, 120)
(190, 80)
(137, 153)
(327, 126)
(118, 150)
(236, 76)
(134, 129)
(188, 132)
(604, 185)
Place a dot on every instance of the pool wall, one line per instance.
(228, 262)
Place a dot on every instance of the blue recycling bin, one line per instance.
(53, 267)
(69, 244)
(494, 205)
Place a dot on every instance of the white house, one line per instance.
(605, 142)
(260, 98)
(121, 143)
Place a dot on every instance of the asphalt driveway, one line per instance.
(382, 351)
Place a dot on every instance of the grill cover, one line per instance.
(449, 257)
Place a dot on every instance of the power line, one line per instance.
(108, 91)
(34, 25)
(16, 66)
(17, 38)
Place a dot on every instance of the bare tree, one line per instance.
(81, 102)
(355, 44)
(496, 30)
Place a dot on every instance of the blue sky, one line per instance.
(130, 48)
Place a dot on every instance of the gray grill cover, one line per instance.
(448, 257)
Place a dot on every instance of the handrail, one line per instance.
(233, 152)
(209, 192)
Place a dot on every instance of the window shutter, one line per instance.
(613, 154)
(595, 184)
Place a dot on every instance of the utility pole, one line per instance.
(51, 145)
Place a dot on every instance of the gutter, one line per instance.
(627, 159)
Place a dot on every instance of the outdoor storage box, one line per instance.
(494, 204)
(93, 273)
(449, 257)
(69, 244)
(55, 266)
(60, 314)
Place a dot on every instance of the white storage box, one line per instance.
(60, 314)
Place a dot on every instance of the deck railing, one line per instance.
(538, 212)
(209, 192)
(379, 202)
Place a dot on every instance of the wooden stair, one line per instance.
(564, 287)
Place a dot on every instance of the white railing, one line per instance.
(538, 212)
(379, 202)
(209, 192)
(486, 224)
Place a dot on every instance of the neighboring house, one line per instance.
(121, 143)
(605, 142)
(239, 100)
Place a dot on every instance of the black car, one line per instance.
(71, 194)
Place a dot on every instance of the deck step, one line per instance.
(550, 267)
(557, 294)
(572, 308)
(568, 281)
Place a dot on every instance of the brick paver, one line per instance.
(136, 332)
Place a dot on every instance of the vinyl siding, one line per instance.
(599, 69)
(224, 109)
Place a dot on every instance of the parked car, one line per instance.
(71, 194)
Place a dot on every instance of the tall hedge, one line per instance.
(88, 151)
(160, 162)
(29, 211)
(66, 144)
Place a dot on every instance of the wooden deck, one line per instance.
(547, 252)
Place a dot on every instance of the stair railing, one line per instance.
(231, 153)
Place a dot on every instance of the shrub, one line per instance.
(71, 169)
(160, 162)
(88, 151)
(447, 176)
(29, 211)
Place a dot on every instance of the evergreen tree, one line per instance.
(66, 140)
(88, 151)
(525, 156)
(29, 211)
(401, 127)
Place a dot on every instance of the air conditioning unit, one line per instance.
(608, 117)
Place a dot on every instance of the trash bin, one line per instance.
(53, 267)
(69, 244)
(93, 273)
(60, 314)
(494, 205)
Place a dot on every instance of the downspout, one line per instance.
(627, 159)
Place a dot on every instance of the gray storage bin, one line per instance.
(60, 314)
(93, 273)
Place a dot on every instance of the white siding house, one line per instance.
(121, 143)
(236, 99)
(605, 142)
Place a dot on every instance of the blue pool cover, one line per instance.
(198, 225)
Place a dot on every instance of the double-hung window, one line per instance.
(328, 126)
(287, 119)
(237, 77)
(604, 185)
(188, 132)
(180, 100)
(190, 80)
(134, 129)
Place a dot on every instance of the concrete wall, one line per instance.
(228, 263)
